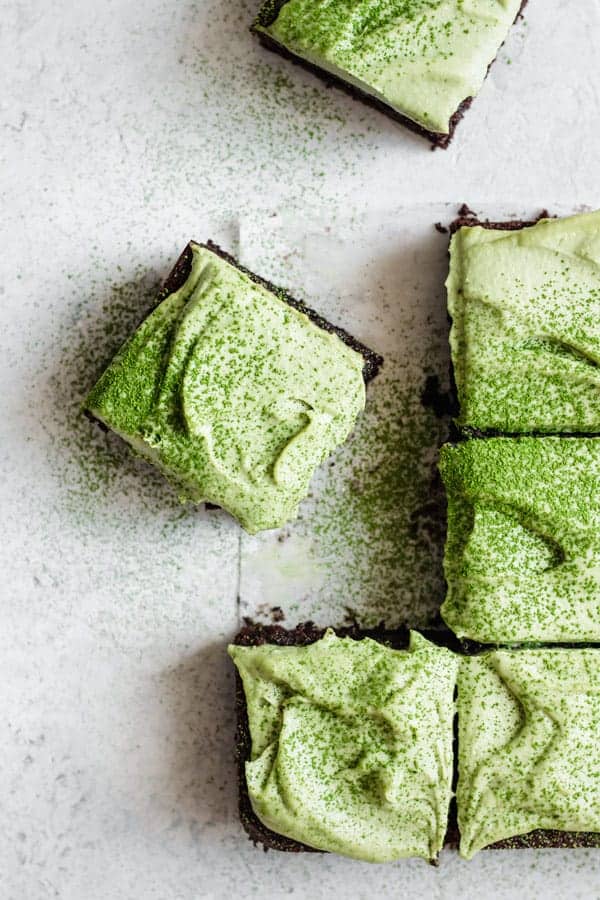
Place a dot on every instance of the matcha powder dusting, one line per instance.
(377, 522)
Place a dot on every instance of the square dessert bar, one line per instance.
(522, 558)
(419, 61)
(525, 337)
(345, 744)
(233, 389)
(529, 749)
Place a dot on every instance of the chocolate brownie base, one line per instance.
(438, 141)
(468, 219)
(560, 840)
(267, 16)
(252, 635)
(180, 271)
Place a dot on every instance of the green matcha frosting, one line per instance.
(522, 557)
(421, 57)
(529, 744)
(236, 396)
(351, 744)
(525, 339)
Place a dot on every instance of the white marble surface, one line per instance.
(127, 129)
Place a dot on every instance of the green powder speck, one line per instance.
(377, 521)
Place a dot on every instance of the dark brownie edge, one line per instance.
(181, 270)
(255, 634)
(438, 141)
(551, 839)
(468, 219)
(534, 840)
(267, 15)
(251, 636)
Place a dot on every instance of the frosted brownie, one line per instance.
(522, 559)
(420, 61)
(529, 748)
(234, 390)
(525, 337)
(350, 743)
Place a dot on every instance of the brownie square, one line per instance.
(233, 389)
(529, 749)
(420, 63)
(333, 723)
(524, 299)
(469, 709)
(522, 559)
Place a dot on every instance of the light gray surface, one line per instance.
(127, 129)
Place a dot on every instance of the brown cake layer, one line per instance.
(252, 635)
(267, 16)
(468, 219)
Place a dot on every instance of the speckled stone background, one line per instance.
(128, 128)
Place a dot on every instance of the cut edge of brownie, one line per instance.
(254, 634)
(439, 141)
(466, 218)
(180, 271)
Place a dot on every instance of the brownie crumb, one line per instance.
(443, 403)
(466, 212)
